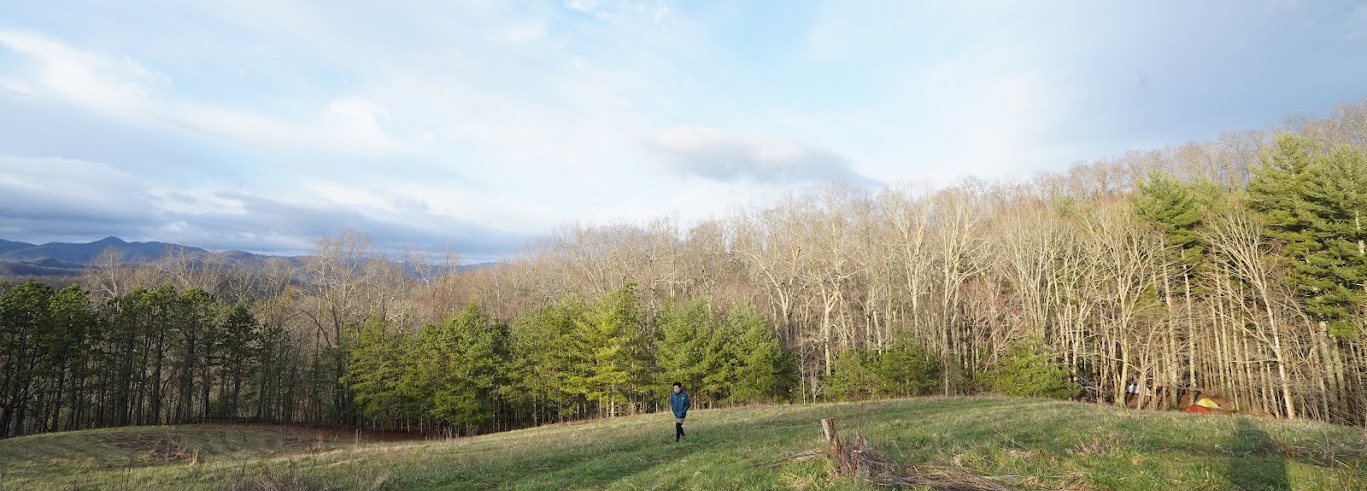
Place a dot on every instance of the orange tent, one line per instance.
(1198, 409)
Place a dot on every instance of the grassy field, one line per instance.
(1025, 444)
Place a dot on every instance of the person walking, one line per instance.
(679, 402)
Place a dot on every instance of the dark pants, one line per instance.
(678, 429)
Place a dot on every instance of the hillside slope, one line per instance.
(1027, 444)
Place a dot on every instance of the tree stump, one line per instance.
(846, 458)
(832, 437)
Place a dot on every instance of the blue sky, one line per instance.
(265, 124)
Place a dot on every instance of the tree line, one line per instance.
(1233, 267)
(162, 356)
(145, 357)
(568, 360)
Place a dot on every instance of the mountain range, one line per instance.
(70, 258)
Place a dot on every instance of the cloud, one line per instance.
(17, 87)
(988, 114)
(621, 11)
(296, 226)
(63, 199)
(124, 88)
(419, 128)
(720, 156)
(30, 185)
(262, 124)
(54, 198)
(114, 84)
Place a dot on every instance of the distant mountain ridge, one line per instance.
(9, 245)
(84, 253)
(70, 258)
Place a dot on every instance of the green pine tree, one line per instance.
(683, 347)
(1313, 205)
(459, 366)
(1178, 210)
(25, 320)
(239, 340)
(376, 373)
(764, 372)
(854, 376)
(905, 370)
(1028, 371)
(542, 361)
(72, 344)
(1334, 274)
(721, 358)
(609, 350)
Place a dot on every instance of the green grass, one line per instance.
(1034, 444)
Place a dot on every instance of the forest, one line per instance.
(1235, 266)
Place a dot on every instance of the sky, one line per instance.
(474, 126)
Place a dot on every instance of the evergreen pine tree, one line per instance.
(239, 339)
(763, 372)
(459, 366)
(376, 373)
(684, 346)
(1333, 274)
(854, 376)
(1313, 206)
(905, 370)
(542, 361)
(610, 353)
(1027, 371)
(1177, 209)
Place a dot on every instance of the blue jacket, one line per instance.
(679, 403)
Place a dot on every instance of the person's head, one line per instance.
(678, 387)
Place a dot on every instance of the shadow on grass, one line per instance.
(1256, 463)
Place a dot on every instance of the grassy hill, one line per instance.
(1025, 444)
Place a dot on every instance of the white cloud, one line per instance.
(621, 10)
(17, 86)
(354, 197)
(502, 122)
(991, 103)
(192, 202)
(519, 116)
(66, 199)
(714, 154)
(55, 197)
(989, 114)
(522, 32)
(124, 88)
(115, 84)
